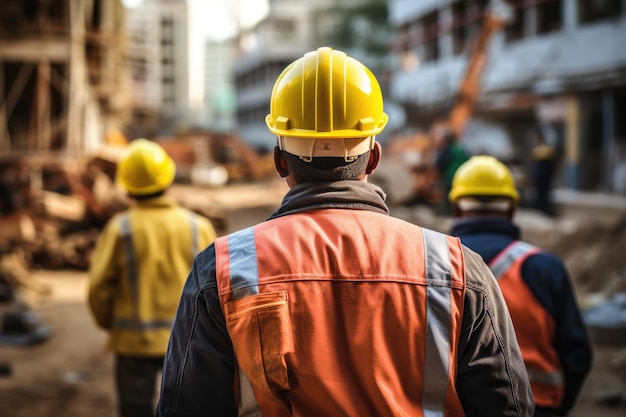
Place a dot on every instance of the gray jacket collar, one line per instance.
(357, 195)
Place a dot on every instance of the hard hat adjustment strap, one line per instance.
(311, 150)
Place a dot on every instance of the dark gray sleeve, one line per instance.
(491, 378)
(198, 370)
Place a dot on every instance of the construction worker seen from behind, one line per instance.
(138, 270)
(331, 307)
(535, 284)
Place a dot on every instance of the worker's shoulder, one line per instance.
(196, 216)
(204, 268)
(478, 276)
(187, 214)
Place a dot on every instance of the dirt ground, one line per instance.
(71, 374)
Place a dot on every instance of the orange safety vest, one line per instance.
(534, 326)
(343, 312)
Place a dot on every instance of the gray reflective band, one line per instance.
(244, 270)
(131, 268)
(131, 262)
(438, 322)
(248, 405)
(508, 256)
(554, 379)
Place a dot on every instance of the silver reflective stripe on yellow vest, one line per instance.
(244, 281)
(135, 323)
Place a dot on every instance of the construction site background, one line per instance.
(63, 104)
(71, 375)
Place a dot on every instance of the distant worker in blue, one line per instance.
(535, 284)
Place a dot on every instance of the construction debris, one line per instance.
(51, 218)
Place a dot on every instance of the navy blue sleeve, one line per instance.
(549, 281)
(198, 370)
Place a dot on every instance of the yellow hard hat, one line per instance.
(483, 175)
(326, 95)
(145, 168)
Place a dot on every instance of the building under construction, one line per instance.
(557, 63)
(61, 82)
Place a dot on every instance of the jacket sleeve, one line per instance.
(549, 281)
(104, 274)
(491, 376)
(198, 371)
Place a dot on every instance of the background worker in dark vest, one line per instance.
(138, 270)
(535, 284)
(332, 307)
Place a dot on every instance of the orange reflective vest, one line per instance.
(534, 326)
(324, 324)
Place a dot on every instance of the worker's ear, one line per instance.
(374, 160)
(279, 163)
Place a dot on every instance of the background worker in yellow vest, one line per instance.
(138, 271)
(332, 307)
(535, 284)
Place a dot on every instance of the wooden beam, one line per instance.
(35, 50)
(5, 138)
(43, 106)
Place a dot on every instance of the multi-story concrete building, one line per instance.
(291, 28)
(158, 48)
(558, 63)
(219, 87)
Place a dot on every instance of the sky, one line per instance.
(219, 19)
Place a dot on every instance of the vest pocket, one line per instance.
(260, 328)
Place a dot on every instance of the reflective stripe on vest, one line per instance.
(554, 379)
(503, 261)
(244, 281)
(131, 267)
(244, 272)
(438, 319)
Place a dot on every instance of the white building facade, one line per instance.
(220, 102)
(158, 43)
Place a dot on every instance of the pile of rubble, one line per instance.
(52, 210)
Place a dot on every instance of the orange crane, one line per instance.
(469, 91)
(422, 146)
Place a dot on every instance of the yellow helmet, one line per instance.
(327, 95)
(483, 175)
(145, 168)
